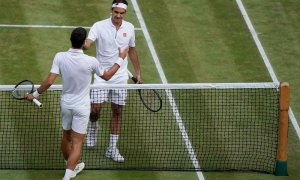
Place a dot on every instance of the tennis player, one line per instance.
(76, 70)
(109, 35)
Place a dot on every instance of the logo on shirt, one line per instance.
(125, 34)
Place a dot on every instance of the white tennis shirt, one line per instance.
(108, 39)
(76, 70)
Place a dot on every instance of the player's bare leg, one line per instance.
(115, 126)
(93, 127)
(71, 147)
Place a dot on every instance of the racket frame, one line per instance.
(135, 80)
(37, 102)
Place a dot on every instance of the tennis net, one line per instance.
(207, 127)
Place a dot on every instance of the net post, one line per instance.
(281, 164)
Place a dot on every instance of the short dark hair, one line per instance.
(78, 37)
(120, 1)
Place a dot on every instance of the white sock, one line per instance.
(113, 141)
(68, 174)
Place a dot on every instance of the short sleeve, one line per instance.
(97, 67)
(93, 35)
(55, 65)
(132, 39)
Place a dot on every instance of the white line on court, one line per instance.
(179, 121)
(265, 59)
(45, 26)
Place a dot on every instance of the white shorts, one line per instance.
(75, 119)
(117, 96)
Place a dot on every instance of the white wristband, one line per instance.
(36, 94)
(119, 61)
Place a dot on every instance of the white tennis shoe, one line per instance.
(91, 136)
(114, 154)
(79, 167)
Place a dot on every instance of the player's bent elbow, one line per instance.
(107, 75)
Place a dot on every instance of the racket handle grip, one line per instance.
(38, 103)
(134, 79)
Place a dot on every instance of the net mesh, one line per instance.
(207, 129)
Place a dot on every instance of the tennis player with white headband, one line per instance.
(109, 35)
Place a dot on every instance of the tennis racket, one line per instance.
(149, 97)
(22, 89)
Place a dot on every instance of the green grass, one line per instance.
(278, 30)
(212, 44)
(196, 41)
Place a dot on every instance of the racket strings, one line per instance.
(151, 99)
(22, 89)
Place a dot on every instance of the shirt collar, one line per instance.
(76, 50)
(110, 22)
